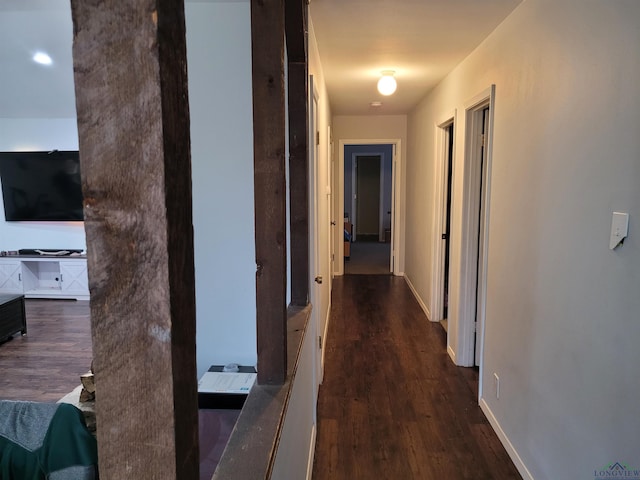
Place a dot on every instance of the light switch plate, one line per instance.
(619, 228)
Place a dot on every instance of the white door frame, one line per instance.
(333, 221)
(396, 200)
(469, 277)
(439, 205)
(314, 248)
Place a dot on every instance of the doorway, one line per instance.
(467, 282)
(446, 231)
(482, 121)
(443, 241)
(368, 191)
(315, 265)
(367, 197)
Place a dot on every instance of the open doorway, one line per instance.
(462, 187)
(368, 185)
(470, 225)
(443, 200)
(367, 197)
(446, 230)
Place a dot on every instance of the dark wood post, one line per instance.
(298, 94)
(133, 123)
(267, 49)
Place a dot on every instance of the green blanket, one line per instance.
(45, 441)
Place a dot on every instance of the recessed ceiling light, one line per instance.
(42, 58)
(376, 104)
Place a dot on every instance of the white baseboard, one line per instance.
(424, 307)
(312, 452)
(522, 468)
(452, 354)
(324, 343)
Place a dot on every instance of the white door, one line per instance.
(472, 237)
(482, 237)
(315, 267)
(333, 222)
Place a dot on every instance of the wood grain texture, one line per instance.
(299, 182)
(46, 364)
(392, 404)
(296, 25)
(133, 125)
(267, 52)
(296, 13)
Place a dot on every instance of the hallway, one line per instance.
(368, 258)
(393, 405)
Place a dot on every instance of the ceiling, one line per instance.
(421, 40)
(29, 90)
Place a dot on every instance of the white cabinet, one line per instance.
(10, 276)
(45, 277)
(73, 277)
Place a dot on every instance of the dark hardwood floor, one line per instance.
(46, 364)
(393, 405)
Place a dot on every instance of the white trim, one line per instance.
(312, 452)
(424, 307)
(508, 446)
(466, 340)
(315, 295)
(439, 204)
(396, 198)
(324, 342)
(485, 236)
(333, 222)
(452, 354)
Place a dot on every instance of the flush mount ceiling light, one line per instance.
(42, 58)
(387, 83)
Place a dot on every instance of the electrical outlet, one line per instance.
(496, 384)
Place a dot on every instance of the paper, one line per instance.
(225, 382)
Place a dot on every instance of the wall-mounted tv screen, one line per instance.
(41, 186)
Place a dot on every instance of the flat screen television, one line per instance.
(41, 186)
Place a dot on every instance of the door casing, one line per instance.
(439, 220)
(469, 264)
(396, 201)
(315, 268)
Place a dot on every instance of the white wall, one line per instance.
(219, 62)
(323, 301)
(220, 93)
(369, 129)
(562, 309)
(21, 131)
(294, 456)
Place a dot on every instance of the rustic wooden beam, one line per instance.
(298, 94)
(299, 182)
(296, 20)
(267, 48)
(133, 124)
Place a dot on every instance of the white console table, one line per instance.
(37, 276)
